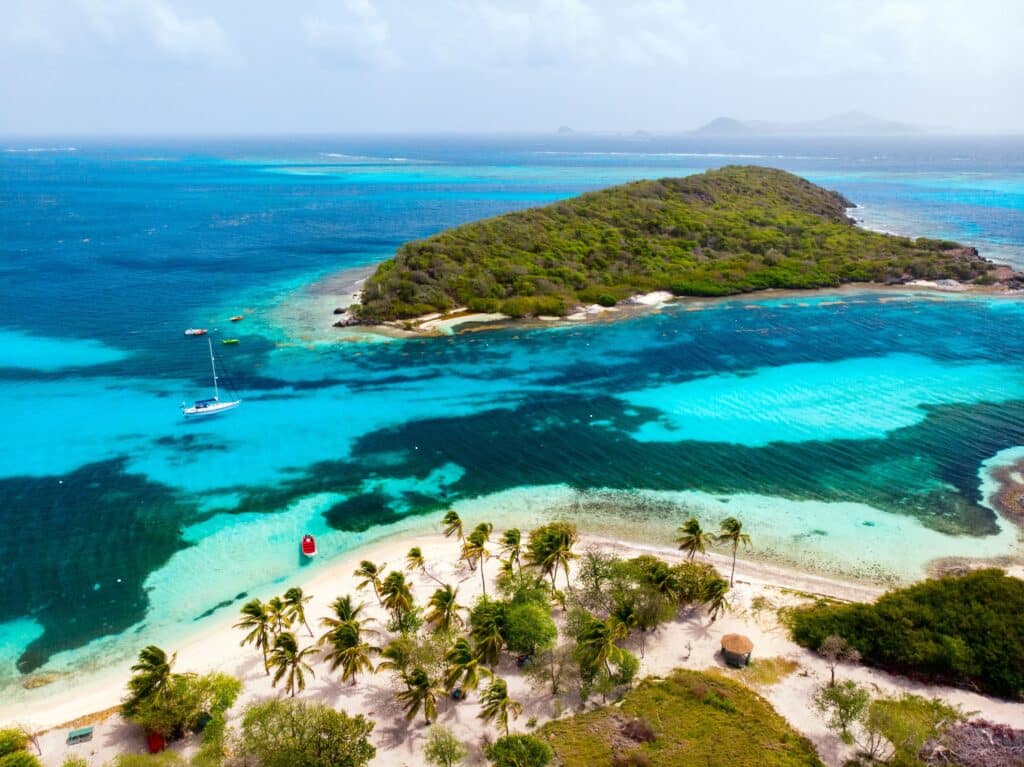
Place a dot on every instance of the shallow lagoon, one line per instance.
(846, 431)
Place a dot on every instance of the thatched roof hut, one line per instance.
(736, 649)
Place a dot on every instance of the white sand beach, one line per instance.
(691, 641)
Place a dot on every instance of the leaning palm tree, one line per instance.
(280, 617)
(347, 650)
(153, 675)
(474, 551)
(257, 621)
(550, 549)
(732, 532)
(370, 575)
(512, 546)
(692, 538)
(289, 663)
(420, 692)
(295, 607)
(496, 705)
(464, 667)
(714, 597)
(397, 655)
(452, 524)
(397, 595)
(414, 559)
(444, 609)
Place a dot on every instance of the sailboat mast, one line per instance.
(213, 367)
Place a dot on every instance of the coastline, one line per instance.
(214, 643)
(321, 303)
(690, 642)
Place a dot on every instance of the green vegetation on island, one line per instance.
(718, 233)
(689, 718)
(967, 631)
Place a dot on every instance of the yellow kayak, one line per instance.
(229, 341)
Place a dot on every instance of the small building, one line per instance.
(736, 650)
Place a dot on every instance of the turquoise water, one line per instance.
(846, 430)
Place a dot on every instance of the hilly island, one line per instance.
(723, 232)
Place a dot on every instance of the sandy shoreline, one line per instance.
(690, 641)
(317, 306)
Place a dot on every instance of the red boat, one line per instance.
(309, 545)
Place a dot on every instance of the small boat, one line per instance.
(195, 332)
(309, 545)
(238, 317)
(211, 405)
(229, 341)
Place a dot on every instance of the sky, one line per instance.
(422, 66)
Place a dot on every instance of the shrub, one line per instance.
(281, 733)
(966, 630)
(12, 739)
(443, 749)
(519, 751)
(164, 759)
(528, 628)
(19, 759)
(73, 760)
(605, 300)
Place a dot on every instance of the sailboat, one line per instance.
(213, 405)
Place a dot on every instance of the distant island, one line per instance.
(846, 124)
(723, 232)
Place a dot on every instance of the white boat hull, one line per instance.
(213, 408)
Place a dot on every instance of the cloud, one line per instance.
(138, 28)
(352, 35)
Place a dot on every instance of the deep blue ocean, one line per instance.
(850, 432)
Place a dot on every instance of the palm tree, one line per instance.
(732, 532)
(397, 655)
(280, 618)
(496, 705)
(348, 651)
(397, 595)
(419, 692)
(414, 559)
(487, 636)
(550, 548)
(295, 606)
(444, 609)
(692, 538)
(714, 597)
(452, 524)
(344, 637)
(345, 611)
(597, 643)
(370, 575)
(289, 663)
(512, 546)
(464, 667)
(153, 676)
(257, 620)
(474, 550)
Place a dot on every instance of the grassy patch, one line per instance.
(765, 672)
(696, 719)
